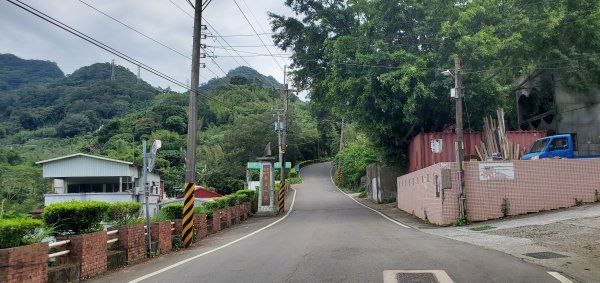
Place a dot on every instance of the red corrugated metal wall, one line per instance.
(421, 155)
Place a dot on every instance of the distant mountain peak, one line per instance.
(15, 71)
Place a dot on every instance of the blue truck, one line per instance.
(557, 146)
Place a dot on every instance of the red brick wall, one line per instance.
(24, 264)
(87, 249)
(216, 220)
(200, 226)
(533, 186)
(178, 225)
(132, 239)
(245, 209)
(228, 216)
(161, 233)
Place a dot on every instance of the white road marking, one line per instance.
(389, 276)
(215, 249)
(374, 210)
(559, 277)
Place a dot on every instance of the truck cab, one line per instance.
(557, 146)
(551, 147)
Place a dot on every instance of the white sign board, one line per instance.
(496, 171)
(436, 145)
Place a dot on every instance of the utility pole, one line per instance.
(339, 170)
(279, 130)
(112, 72)
(285, 127)
(146, 193)
(139, 76)
(190, 166)
(459, 136)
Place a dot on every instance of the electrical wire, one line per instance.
(257, 35)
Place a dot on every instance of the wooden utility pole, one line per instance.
(190, 164)
(459, 135)
(342, 136)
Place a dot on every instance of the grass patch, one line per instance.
(482, 228)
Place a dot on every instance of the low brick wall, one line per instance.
(228, 217)
(132, 239)
(89, 250)
(216, 220)
(178, 225)
(246, 206)
(496, 189)
(24, 264)
(200, 227)
(161, 233)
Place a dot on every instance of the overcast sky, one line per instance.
(29, 37)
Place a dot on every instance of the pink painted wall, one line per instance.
(530, 186)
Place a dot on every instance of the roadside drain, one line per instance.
(545, 255)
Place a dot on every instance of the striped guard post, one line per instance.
(188, 215)
(281, 199)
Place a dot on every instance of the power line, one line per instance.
(137, 31)
(257, 35)
(91, 40)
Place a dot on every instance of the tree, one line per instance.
(74, 124)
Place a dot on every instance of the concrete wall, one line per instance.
(381, 183)
(421, 193)
(494, 189)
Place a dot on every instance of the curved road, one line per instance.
(330, 238)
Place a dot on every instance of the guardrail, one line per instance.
(56, 244)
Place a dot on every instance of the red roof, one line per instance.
(202, 192)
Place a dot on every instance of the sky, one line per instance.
(29, 37)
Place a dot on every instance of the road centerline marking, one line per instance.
(215, 249)
(374, 210)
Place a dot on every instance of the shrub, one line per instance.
(363, 194)
(201, 209)
(246, 195)
(295, 180)
(173, 211)
(231, 200)
(16, 232)
(75, 217)
(123, 213)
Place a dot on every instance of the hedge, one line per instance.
(16, 232)
(173, 210)
(246, 195)
(75, 217)
(123, 213)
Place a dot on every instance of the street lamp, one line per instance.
(457, 95)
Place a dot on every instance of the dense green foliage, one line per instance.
(15, 71)
(354, 160)
(123, 213)
(17, 231)
(173, 211)
(75, 217)
(88, 112)
(378, 62)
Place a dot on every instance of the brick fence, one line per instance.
(24, 264)
(497, 189)
(89, 250)
(132, 239)
(161, 233)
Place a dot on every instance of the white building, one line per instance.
(88, 177)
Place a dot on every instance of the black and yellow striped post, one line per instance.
(281, 199)
(188, 215)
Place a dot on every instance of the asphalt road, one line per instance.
(330, 238)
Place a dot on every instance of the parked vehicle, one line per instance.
(557, 146)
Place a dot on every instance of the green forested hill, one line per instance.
(15, 71)
(88, 112)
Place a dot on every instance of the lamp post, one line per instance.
(457, 94)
